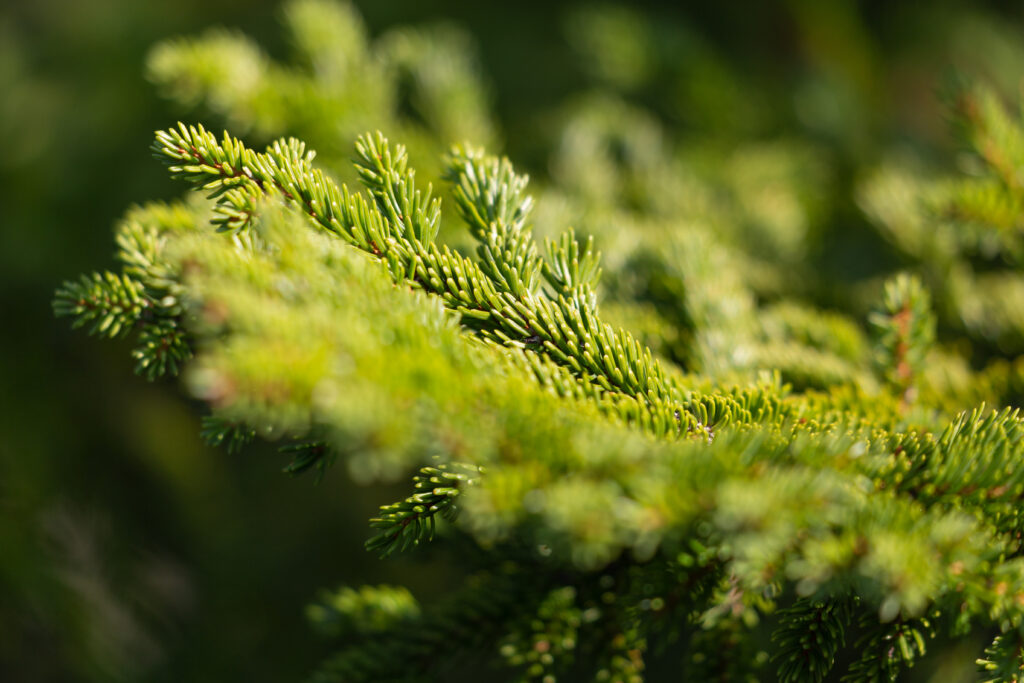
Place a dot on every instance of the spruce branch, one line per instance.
(217, 431)
(1004, 658)
(889, 648)
(905, 330)
(976, 459)
(385, 173)
(566, 329)
(288, 303)
(490, 197)
(809, 635)
(413, 520)
(117, 305)
(897, 501)
(570, 270)
(307, 455)
(162, 349)
(110, 304)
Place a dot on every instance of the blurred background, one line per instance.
(130, 551)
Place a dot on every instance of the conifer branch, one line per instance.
(1004, 658)
(307, 455)
(607, 535)
(491, 199)
(217, 431)
(565, 329)
(390, 181)
(809, 635)
(906, 329)
(111, 304)
(889, 648)
(413, 520)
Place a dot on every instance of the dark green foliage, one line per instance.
(217, 431)
(1004, 659)
(423, 647)
(407, 523)
(544, 644)
(888, 649)
(808, 636)
(308, 455)
(348, 613)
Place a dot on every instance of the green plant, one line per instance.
(765, 487)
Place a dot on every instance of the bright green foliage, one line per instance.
(145, 296)
(298, 333)
(723, 464)
(112, 304)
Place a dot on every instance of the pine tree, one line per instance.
(655, 455)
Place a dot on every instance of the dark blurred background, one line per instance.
(129, 551)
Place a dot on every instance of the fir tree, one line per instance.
(656, 455)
